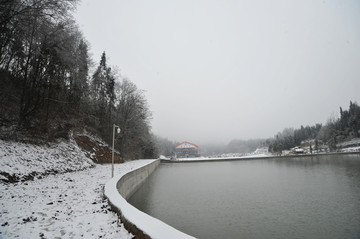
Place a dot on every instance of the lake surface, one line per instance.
(309, 197)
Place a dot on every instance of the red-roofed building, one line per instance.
(187, 150)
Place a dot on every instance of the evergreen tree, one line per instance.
(103, 86)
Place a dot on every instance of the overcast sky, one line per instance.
(216, 70)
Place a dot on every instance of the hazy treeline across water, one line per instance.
(335, 131)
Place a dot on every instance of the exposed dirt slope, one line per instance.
(96, 150)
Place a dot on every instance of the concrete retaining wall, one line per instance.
(142, 225)
(130, 182)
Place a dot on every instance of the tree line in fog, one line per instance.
(335, 131)
(47, 88)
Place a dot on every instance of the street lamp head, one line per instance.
(112, 154)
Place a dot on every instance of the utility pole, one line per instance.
(113, 142)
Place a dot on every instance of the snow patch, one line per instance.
(69, 205)
(20, 160)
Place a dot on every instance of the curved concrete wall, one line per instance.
(142, 225)
(130, 182)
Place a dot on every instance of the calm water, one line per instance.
(313, 197)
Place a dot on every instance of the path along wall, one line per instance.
(142, 225)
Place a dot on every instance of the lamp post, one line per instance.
(113, 141)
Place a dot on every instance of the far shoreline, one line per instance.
(197, 160)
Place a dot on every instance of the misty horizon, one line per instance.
(217, 71)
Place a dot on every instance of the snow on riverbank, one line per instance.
(69, 205)
(224, 158)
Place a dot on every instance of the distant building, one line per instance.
(187, 150)
(263, 150)
(286, 152)
(298, 150)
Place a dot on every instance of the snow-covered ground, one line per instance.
(69, 205)
(351, 149)
(350, 146)
(62, 205)
(21, 160)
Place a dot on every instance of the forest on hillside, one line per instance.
(337, 130)
(47, 87)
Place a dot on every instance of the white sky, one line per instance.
(216, 70)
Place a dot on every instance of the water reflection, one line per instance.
(312, 197)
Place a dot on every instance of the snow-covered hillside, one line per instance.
(55, 191)
(21, 161)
